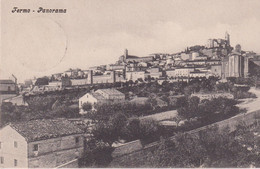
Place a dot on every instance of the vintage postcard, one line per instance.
(130, 83)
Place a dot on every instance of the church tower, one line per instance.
(126, 53)
(227, 38)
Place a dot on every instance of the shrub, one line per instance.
(86, 106)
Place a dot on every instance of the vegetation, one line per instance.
(87, 106)
(197, 114)
(209, 148)
(42, 81)
(97, 154)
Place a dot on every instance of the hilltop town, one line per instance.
(217, 58)
(128, 113)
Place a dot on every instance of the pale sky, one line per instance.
(95, 32)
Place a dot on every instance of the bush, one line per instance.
(86, 106)
(97, 154)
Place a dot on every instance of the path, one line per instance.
(251, 104)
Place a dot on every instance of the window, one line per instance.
(76, 140)
(2, 160)
(35, 147)
(9, 88)
(15, 162)
(15, 144)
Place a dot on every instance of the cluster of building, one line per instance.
(217, 58)
(59, 143)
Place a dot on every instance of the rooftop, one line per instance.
(6, 81)
(42, 129)
(97, 96)
(110, 91)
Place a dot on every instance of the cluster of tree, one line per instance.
(200, 84)
(42, 81)
(118, 127)
(254, 70)
(206, 112)
(106, 110)
(175, 88)
(97, 154)
(39, 108)
(209, 148)
(196, 48)
(239, 92)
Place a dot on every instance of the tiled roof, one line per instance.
(45, 129)
(6, 82)
(111, 91)
(98, 96)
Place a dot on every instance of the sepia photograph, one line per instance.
(130, 84)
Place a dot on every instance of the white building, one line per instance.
(171, 73)
(135, 75)
(100, 96)
(183, 72)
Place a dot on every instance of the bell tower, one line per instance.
(126, 53)
(227, 38)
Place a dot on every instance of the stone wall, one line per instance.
(127, 148)
(55, 152)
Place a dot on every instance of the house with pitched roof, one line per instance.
(101, 96)
(8, 89)
(45, 143)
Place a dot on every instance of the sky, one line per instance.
(96, 32)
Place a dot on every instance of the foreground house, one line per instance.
(46, 143)
(101, 96)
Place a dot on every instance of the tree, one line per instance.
(87, 106)
(105, 133)
(182, 101)
(208, 148)
(149, 130)
(42, 81)
(177, 119)
(97, 154)
(110, 131)
(41, 102)
(190, 109)
(153, 102)
(132, 129)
